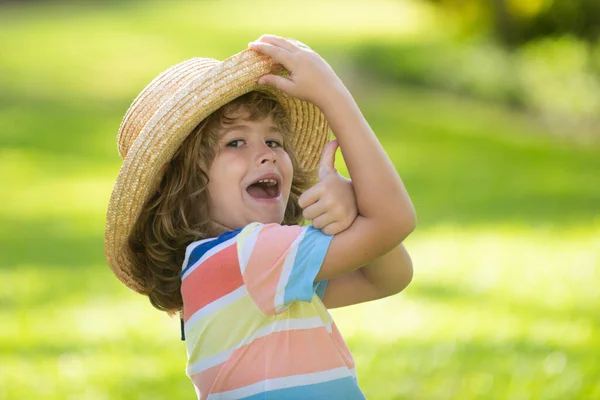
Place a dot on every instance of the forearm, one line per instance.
(380, 192)
(383, 277)
(390, 273)
(386, 214)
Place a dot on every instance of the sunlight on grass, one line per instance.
(44, 184)
(112, 51)
(476, 295)
(514, 284)
(504, 302)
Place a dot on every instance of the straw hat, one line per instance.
(166, 112)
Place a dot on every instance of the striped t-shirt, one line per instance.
(254, 322)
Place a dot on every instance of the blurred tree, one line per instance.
(578, 17)
(515, 22)
(503, 22)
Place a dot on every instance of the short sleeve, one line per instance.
(279, 264)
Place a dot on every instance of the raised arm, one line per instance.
(386, 215)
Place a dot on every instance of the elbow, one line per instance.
(406, 277)
(410, 218)
(395, 226)
(410, 223)
(399, 279)
(396, 230)
(404, 225)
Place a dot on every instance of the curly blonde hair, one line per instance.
(178, 213)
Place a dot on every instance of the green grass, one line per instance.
(504, 304)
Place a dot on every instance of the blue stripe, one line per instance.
(343, 388)
(320, 288)
(310, 255)
(201, 249)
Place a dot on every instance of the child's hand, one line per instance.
(310, 77)
(331, 203)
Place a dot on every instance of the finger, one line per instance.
(323, 220)
(332, 229)
(288, 44)
(278, 82)
(311, 196)
(315, 210)
(327, 163)
(299, 44)
(280, 55)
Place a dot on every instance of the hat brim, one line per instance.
(166, 112)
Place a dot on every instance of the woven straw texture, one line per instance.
(166, 112)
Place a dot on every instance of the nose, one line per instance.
(266, 155)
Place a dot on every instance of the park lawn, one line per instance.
(467, 328)
(504, 302)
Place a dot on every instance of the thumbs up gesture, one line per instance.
(331, 203)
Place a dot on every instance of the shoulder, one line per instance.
(273, 240)
(254, 237)
(255, 233)
(200, 249)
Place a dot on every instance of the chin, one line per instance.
(270, 220)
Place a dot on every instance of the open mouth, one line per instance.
(264, 189)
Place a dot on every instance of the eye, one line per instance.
(235, 143)
(273, 143)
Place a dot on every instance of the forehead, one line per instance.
(246, 125)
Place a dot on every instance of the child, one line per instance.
(205, 218)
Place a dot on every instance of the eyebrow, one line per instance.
(225, 131)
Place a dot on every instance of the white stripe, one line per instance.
(209, 362)
(286, 271)
(353, 372)
(216, 305)
(208, 254)
(248, 246)
(286, 325)
(277, 326)
(282, 383)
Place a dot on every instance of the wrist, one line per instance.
(332, 98)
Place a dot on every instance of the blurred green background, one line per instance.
(490, 109)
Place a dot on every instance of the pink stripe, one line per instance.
(341, 346)
(204, 380)
(217, 276)
(278, 355)
(264, 267)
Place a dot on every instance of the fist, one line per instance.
(331, 203)
(310, 77)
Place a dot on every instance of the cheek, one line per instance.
(224, 176)
(216, 179)
(222, 197)
(287, 164)
(287, 169)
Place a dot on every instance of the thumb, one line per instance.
(327, 163)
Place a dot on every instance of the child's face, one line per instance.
(249, 151)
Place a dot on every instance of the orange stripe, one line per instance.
(264, 267)
(205, 379)
(342, 347)
(214, 278)
(279, 355)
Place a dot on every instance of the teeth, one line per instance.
(269, 182)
